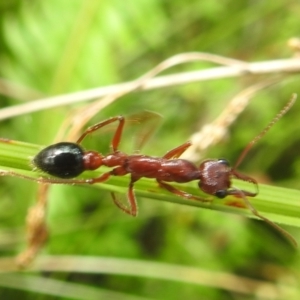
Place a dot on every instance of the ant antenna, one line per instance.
(266, 129)
(275, 226)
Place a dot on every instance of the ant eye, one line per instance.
(224, 161)
(221, 194)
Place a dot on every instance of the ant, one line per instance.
(67, 160)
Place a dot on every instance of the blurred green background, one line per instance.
(56, 47)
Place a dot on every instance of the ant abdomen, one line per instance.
(63, 160)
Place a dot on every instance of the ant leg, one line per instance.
(132, 209)
(120, 171)
(118, 133)
(102, 178)
(131, 197)
(41, 179)
(248, 179)
(176, 152)
(242, 195)
(180, 193)
(121, 205)
(99, 179)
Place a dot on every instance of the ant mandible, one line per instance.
(67, 160)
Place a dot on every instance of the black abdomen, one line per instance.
(63, 160)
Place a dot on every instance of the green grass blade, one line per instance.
(279, 204)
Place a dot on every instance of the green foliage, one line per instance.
(56, 47)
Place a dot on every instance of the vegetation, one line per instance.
(52, 50)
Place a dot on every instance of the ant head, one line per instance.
(215, 177)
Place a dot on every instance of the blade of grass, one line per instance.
(140, 268)
(279, 204)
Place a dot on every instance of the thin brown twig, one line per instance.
(81, 118)
(285, 66)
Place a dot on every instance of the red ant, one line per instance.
(67, 160)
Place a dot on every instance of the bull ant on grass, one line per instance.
(67, 160)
